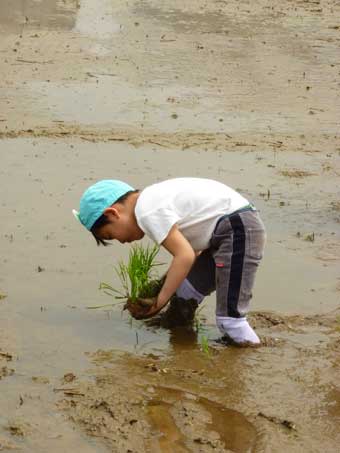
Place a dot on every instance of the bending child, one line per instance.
(215, 236)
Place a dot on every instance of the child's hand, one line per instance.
(140, 308)
(144, 308)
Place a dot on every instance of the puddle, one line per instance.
(170, 411)
(170, 436)
(18, 15)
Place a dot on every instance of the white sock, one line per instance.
(237, 329)
(187, 291)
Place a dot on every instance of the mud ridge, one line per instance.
(184, 140)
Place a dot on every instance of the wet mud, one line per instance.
(188, 401)
(24, 15)
(240, 92)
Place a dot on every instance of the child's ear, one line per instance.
(111, 213)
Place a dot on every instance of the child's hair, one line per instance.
(103, 220)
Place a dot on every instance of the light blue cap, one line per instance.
(97, 198)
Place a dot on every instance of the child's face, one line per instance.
(121, 227)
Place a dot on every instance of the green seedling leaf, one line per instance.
(198, 321)
(109, 290)
(136, 277)
(95, 307)
(205, 346)
(310, 237)
(337, 326)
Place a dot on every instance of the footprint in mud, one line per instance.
(184, 421)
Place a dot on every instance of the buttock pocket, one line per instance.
(255, 243)
(222, 232)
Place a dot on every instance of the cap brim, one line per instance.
(76, 215)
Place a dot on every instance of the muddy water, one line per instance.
(232, 428)
(235, 400)
(51, 267)
(22, 15)
(131, 65)
(151, 91)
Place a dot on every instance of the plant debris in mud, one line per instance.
(69, 377)
(308, 237)
(278, 421)
(40, 379)
(6, 356)
(4, 372)
(19, 427)
(6, 445)
(263, 319)
(296, 173)
(335, 205)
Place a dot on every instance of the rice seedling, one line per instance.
(137, 276)
(205, 346)
(337, 324)
(200, 329)
(198, 320)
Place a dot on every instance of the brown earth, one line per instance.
(243, 92)
(226, 399)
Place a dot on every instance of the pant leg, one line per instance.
(237, 246)
(201, 279)
(254, 247)
(199, 283)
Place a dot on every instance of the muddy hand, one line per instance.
(141, 308)
(147, 302)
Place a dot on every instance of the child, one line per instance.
(215, 236)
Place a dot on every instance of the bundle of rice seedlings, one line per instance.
(137, 276)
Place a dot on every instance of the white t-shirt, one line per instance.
(193, 204)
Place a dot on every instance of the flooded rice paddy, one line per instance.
(144, 91)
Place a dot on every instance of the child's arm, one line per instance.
(183, 258)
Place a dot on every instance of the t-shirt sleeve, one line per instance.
(157, 224)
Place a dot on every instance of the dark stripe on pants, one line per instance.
(239, 242)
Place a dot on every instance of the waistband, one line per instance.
(248, 207)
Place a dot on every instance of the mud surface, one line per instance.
(230, 399)
(241, 92)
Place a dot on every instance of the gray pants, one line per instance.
(230, 263)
